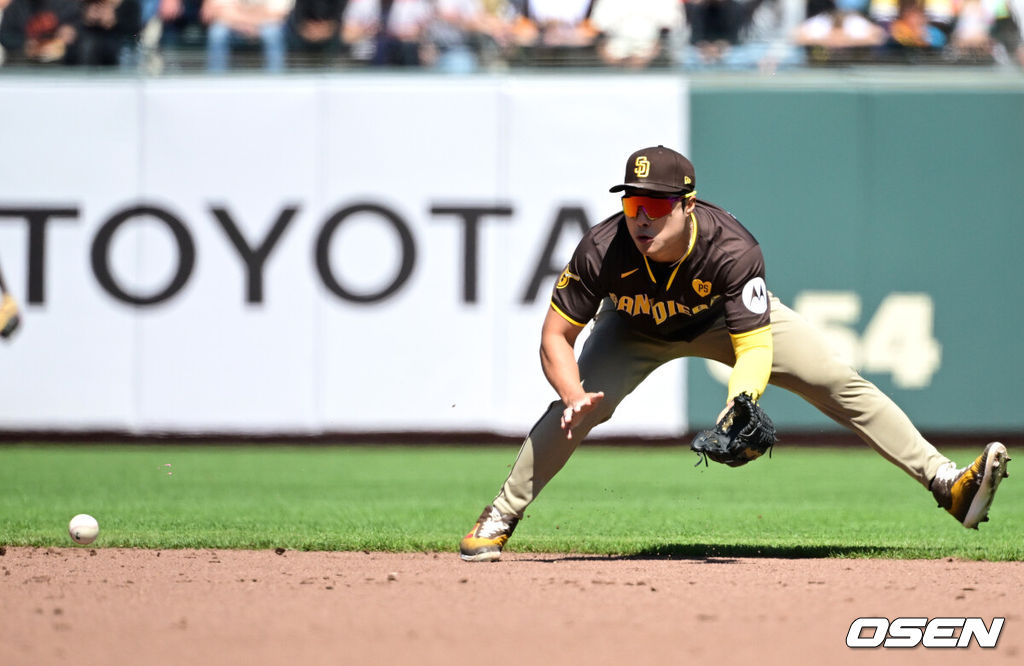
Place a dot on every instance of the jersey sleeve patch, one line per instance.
(755, 295)
(563, 280)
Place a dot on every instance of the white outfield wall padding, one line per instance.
(308, 255)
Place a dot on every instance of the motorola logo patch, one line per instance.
(755, 295)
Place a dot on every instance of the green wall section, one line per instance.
(873, 191)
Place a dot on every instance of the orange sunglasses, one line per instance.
(655, 207)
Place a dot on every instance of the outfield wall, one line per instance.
(315, 255)
(305, 255)
(891, 211)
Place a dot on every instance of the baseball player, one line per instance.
(9, 318)
(672, 276)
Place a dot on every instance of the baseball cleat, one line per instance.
(9, 319)
(967, 493)
(485, 541)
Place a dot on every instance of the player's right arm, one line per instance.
(574, 302)
(557, 340)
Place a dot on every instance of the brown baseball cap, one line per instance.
(658, 169)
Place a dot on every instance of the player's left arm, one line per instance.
(753, 367)
(748, 316)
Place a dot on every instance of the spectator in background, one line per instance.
(766, 39)
(169, 27)
(3, 6)
(315, 27)
(455, 35)
(1008, 31)
(714, 30)
(839, 32)
(939, 13)
(883, 12)
(507, 23)
(815, 7)
(634, 34)
(147, 49)
(506, 31)
(387, 32)
(180, 22)
(911, 32)
(562, 22)
(109, 32)
(972, 31)
(40, 31)
(232, 21)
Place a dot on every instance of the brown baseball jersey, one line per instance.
(720, 276)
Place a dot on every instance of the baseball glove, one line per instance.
(743, 434)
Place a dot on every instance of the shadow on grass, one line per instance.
(725, 553)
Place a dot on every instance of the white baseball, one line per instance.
(83, 529)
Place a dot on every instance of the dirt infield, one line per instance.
(140, 607)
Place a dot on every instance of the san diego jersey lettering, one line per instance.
(721, 276)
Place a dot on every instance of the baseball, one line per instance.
(83, 529)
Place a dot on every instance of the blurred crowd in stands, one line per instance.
(472, 35)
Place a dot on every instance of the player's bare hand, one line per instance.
(577, 407)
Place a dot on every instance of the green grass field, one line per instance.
(623, 501)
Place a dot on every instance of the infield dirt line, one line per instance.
(121, 606)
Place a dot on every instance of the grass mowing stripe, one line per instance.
(623, 501)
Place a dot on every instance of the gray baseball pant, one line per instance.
(615, 360)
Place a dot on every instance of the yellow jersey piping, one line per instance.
(565, 316)
(689, 249)
(650, 273)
